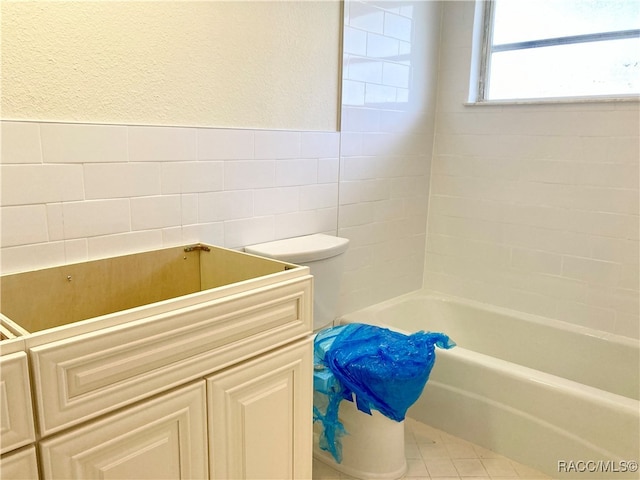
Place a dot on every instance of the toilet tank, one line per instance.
(324, 255)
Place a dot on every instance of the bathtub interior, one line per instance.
(604, 361)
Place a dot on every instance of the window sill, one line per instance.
(556, 100)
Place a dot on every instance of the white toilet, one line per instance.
(374, 445)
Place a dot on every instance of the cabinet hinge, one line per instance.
(199, 246)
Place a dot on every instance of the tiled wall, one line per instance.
(72, 192)
(533, 207)
(390, 72)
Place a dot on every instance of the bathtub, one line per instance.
(557, 397)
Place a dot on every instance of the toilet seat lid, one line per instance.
(303, 249)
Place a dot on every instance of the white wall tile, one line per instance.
(249, 231)
(356, 214)
(546, 171)
(389, 209)
(55, 221)
(363, 69)
(350, 144)
(353, 92)
(608, 175)
(326, 220)
(600, 223)
(189, 205)
(376, 94)
(75, 251)
(296, 172)
(531, 302)
(192, 177)
(225, 144)
(172, 236)
(156, 212)
(293, 224)
(536, 261)
(328, 170)
(272, 144)
(362, 119)
(396, 75)
(161, 143)
(117, 180)
(379, 46)
(32, 257)
(31, 184)
(23, 225)
(365, 16)
(313, 197)
(240, 174)
(20, 142)
(589, 270)
(96, 217)
(271, 201)
(355, 41)
(319, 145)
(230, 205)
(82, 143)
(397, 26)
(211, 233)
(124, 243)
(627, 325)
(238, 204)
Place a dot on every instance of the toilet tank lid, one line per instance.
(301, 249)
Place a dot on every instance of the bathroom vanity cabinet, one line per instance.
(191, 362)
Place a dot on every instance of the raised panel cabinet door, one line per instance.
(260, 417)
(16, 414)
(20, 465)
(162, 438)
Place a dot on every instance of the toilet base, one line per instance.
(372, 449)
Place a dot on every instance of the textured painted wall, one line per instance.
(193, 63)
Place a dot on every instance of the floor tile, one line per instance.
(441, 467)
(436, 455)
(461, 450)
(470, 467)
(499, 467)
(416, 468)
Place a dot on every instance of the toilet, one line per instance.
(374, 445)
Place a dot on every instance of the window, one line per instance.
(537, 49)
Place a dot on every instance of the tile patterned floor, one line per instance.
(435, 455)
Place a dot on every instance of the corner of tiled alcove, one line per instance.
(388, 108)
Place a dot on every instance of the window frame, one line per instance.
(487, 49)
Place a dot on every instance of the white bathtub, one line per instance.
(539, 391)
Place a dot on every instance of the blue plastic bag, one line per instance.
(385, 370)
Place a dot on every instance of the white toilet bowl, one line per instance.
(373, 447)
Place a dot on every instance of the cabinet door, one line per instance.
(16, 416)
(260, 417)
(20, 465)
(163, 438)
